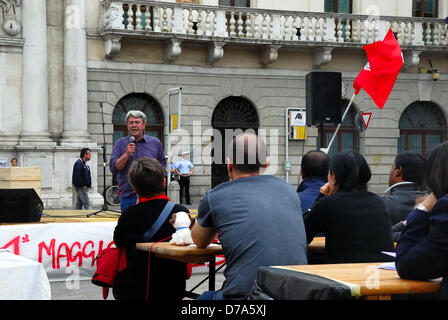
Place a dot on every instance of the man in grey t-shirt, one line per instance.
(257, 217)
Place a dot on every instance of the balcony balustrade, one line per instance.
(217, 26)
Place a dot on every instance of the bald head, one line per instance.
(315, 164)
(247, 153)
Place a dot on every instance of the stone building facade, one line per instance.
(71, 74)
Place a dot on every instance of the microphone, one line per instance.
(132, 140)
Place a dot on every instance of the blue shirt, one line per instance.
(150, 147)
(259, 223)
(308, 191)
(184, 166)
(422, 252)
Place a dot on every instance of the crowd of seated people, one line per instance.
(259, 219)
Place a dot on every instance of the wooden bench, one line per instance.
(367, 280)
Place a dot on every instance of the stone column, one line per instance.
(35, 82)
(75, 74)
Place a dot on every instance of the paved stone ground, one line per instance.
(89, 291)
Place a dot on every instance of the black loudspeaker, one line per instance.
(20, 205)
(323, 97)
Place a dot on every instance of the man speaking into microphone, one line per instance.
(127, 149)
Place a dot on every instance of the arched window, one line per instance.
(235, 112)
(422, 126)
(348, 136)
(231, 114)
(141, 102)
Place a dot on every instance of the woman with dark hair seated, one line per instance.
(355, 221)
(422, 252)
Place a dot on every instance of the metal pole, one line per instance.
(286, 144)
(168, 162)
(170, 119)
(339, 126)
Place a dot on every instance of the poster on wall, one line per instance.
(297, 124)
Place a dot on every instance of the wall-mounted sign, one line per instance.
(297, 118)
(366, 118)
(362, 120)
(175, 108)
(297, 124)
(298, 133)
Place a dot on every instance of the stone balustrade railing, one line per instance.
(274, 28)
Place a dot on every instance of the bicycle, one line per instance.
(112, 195)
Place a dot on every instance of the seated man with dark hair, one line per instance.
(405, 187)
(257, 218)
(314, 172)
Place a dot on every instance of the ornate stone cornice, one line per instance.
(269, 54)
(112, 45)
(10, 4)
(172, 49)
(215, 52)
(321, 56)
(11, 42)
(11, 18)
(411, 58)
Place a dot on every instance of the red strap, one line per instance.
(141, 200)
(160, 196)
(149, 256)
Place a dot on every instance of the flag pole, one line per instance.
(339, 126)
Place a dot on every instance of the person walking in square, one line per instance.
(82, 180)
(184, 169)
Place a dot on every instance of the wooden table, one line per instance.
(318, 244)
(367, 281)
(187, 254)
(69, 216)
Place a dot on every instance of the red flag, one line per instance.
(379, 74)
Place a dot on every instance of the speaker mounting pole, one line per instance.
(339, 125)
(322, 134)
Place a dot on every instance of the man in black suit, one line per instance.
(405, 187)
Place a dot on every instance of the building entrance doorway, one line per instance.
(232, 116)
